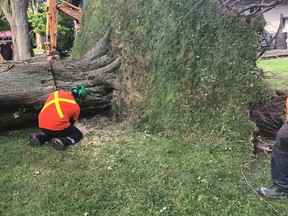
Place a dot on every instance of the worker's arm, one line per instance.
(75, 116)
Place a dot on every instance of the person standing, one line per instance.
(279, 164)
(57, 117)
(6, 50)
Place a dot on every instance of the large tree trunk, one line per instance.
(15, 12)
(21, 38)
(25, 86)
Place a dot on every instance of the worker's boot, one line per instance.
(58, 144)
(34, 140)
(274, 192)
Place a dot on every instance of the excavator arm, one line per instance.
(52, 14)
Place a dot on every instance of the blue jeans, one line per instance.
(68, 136)
(279, 159)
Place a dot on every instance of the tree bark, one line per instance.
(21, 39)
(24, 86)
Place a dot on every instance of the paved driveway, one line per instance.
(275, 53)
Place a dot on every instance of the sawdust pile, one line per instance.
(94, 130)
(98, 130)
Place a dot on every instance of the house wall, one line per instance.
(272, 18)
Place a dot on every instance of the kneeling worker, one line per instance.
(279, 164)
(57, 117)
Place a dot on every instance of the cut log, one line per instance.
(25, 86)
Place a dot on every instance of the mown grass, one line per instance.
(276, 71)
(121, 171)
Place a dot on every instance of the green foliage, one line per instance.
(4, 25)
(193, 63)
(38, 20)
(258, 23)
(65, 36)
(65, 30)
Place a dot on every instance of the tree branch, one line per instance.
(235, 6)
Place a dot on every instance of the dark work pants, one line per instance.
(279, 160)
(68, 136)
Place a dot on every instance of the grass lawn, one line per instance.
(276, 71)
(116, 170)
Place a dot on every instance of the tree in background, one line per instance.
(36, 18)
(15, 12)
(4, 25)
(66, 34)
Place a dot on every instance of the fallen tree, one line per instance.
(25, 86)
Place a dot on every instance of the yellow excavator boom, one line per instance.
(52, 15)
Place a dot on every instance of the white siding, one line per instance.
(272, 18)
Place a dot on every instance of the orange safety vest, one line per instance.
(59, 108)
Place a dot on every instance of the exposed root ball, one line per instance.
(269, 115)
